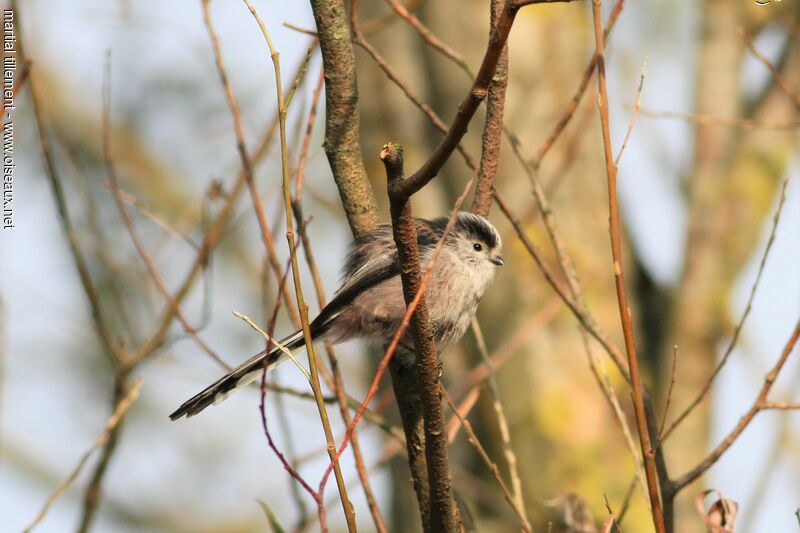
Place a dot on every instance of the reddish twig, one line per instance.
(466, 110)
(380, 61)
(312, 118)
(568, 113)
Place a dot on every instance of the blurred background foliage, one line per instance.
(697, 205)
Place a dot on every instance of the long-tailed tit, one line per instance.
(370, 303)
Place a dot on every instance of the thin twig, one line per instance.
(572, 106)
(473, 439)
(760, 403)
(782, 406)
(740, 325)
(502, 422)
(312, 117)
(103, 330)
(335, 381)
(467, 108)
(637, 389)
(102, 439)
(313, 362)
(585, 319)
(271, 340)
(672, 378)
(215, 231)
(152, 270)
(636, 107)
(776, 74)
(428, 36)
(710, 120)
(246, 160)
(380, 61)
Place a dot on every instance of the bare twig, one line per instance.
(103, 330)
(473, 439)
(569, 111)
(637, 389)
(776, 74)
(360, 40)
(502, 422)
(152, 270)
(585, 319)
(334, 381)
(433, 41)
(782, 406)
(102, 439)
(283, 105)
(272, 342)
(467, 108)
(301, 162)
(246, 161)
(737, 331)
(672, 379)
(710, 120)
(636, 107)
(758, 405)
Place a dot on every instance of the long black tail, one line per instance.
(237, 378)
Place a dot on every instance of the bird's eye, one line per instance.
(477, 247)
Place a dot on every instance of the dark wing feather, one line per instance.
(378, 250)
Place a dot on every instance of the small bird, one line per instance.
(370, 304)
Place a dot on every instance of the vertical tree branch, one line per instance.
(648, 452)
(444, 515)
(493, 127)
(342, 144)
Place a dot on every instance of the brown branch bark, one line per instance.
(466, 110)
(493, 127)
(444, 514)
(342, 144)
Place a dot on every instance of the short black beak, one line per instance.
(497, 260)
